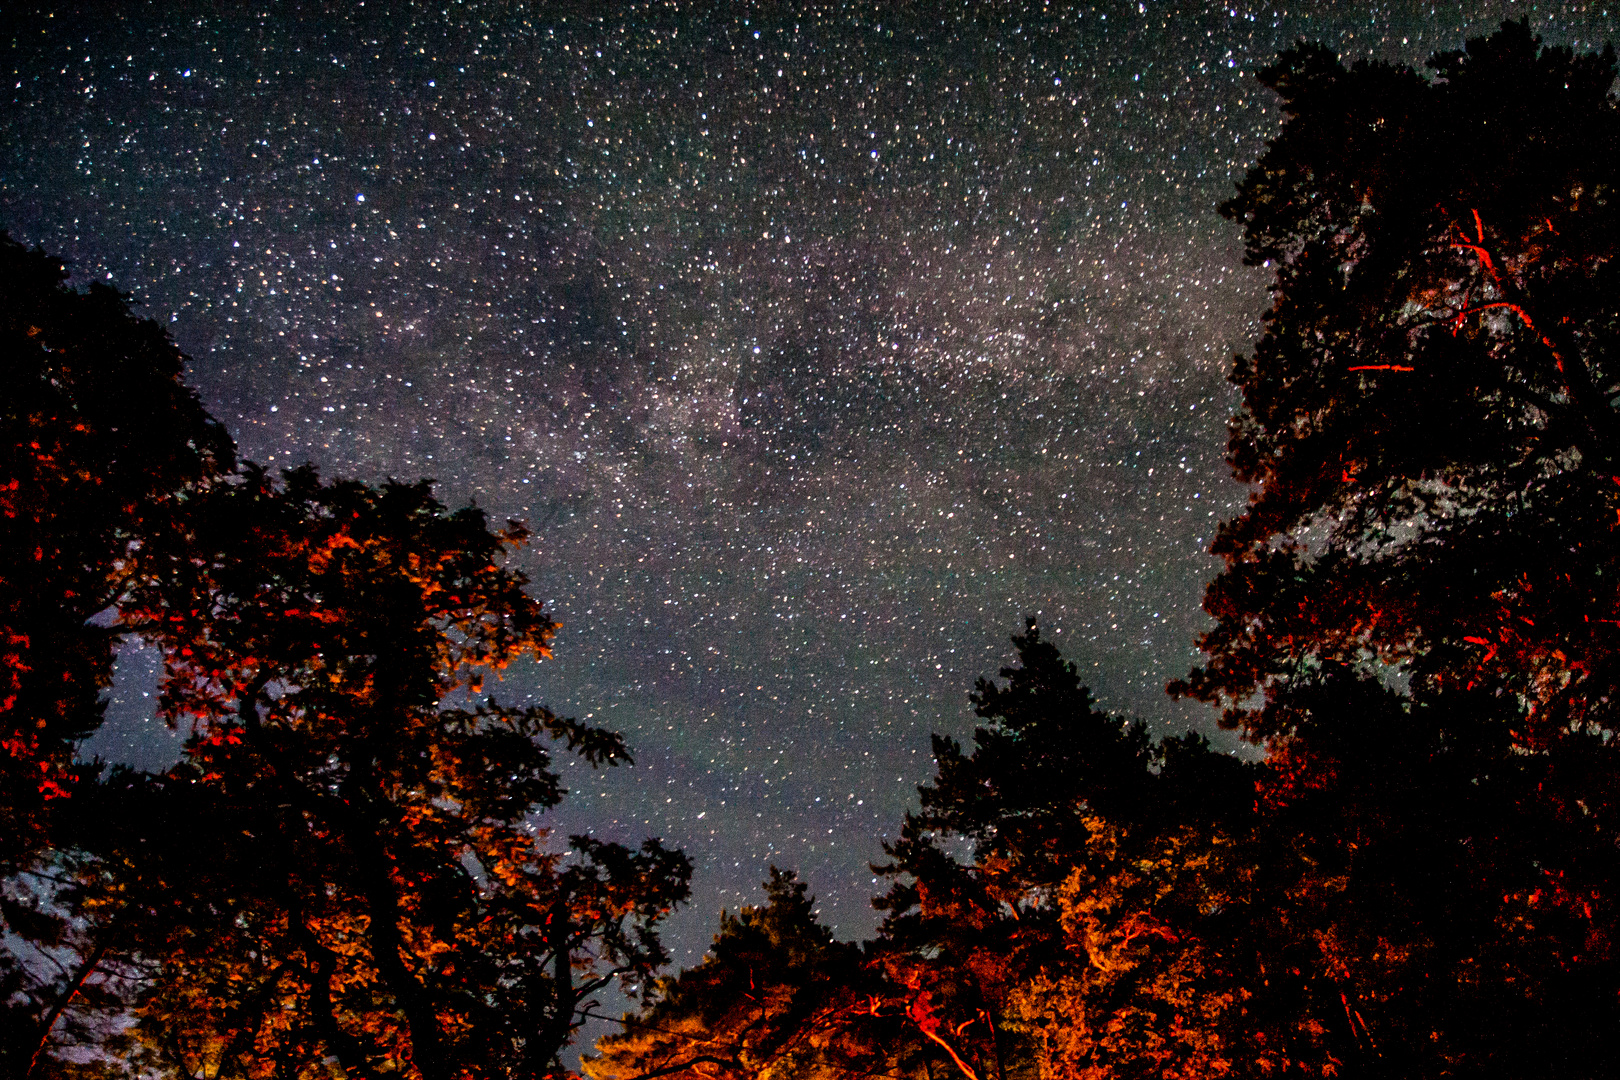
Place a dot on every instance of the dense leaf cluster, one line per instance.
(1427, 419)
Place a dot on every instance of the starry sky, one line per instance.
(818, 343)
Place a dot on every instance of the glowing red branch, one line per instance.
(1515, 308)
(62, 1003)
(922, 1014)
(1484, 254)
(1136, 928)
(960, 1064)
(1353, 1015)
(1478, 247)
(1529, 324)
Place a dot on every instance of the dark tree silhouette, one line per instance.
(346, 865)
(1427, 419)
(1417, 616)
(1418, 899)
(1068, 943)
(101, 445)
(348, 870)
(775, 995)
(1071, 938)
(99, 442)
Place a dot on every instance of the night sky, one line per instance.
(819, 344)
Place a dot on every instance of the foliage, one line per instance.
(776, 997)
(1413, 616)
(1427, 417)
(1045, 766)
(1393, 891)
(101, 446)
(1089, 843)
(1130, 990)
(344, 878)
(363, 887)
(344, 875)
(99, 442)
(1423, 901)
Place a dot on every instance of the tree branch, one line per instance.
(62, 1002)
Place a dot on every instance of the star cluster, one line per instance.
(819, 344)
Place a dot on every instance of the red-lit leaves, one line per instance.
(1425, 419)
(98, 440)
(1418, 615)
(364, 881)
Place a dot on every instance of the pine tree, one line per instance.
(1070, 944)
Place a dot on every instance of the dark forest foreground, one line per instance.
(347, 875)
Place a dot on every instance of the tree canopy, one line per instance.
(347, 873)
(370, 885)
(1413, 874)
(776, 995)
(1414, 617)
(1089, 842)
(1427, 419)
(100, 442)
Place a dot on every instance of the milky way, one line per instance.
(819, 346)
